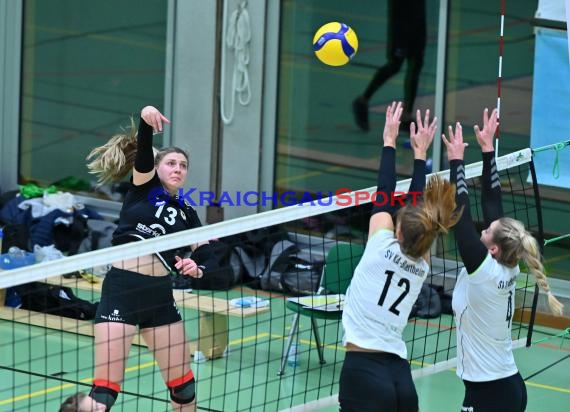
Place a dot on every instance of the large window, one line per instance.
(320, 148)
(473, 64)
(87, 66)
(471, 85)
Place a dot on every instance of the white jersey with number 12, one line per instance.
(385, 285)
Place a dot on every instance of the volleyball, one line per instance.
(335, 44)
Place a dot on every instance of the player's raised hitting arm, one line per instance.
(422, 134)
(382, 211)
(144, 166)
(491, 201)
(473, 252)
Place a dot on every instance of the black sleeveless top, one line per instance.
(149, 211)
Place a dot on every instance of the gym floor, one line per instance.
(248, 377)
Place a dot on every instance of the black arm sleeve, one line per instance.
(144, 160)
(473, 252)
(417, 185)
(386, 182)
(418, 182)
(491, 194)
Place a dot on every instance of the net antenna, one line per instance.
(499, 76)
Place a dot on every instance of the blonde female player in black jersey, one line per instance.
(483, 298)
(376, 374)
(138, 292)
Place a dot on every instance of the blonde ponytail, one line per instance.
(115, 159)
(531, 257)
(516, 243)
(436, 213)
(439, 204)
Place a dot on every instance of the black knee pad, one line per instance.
(105, 392)
(183, 393)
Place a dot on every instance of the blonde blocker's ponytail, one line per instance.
(436, 213)
(115, 159)
(516, 243)
(531, 256)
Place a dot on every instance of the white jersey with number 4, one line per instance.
(483, 304)
(385, 285)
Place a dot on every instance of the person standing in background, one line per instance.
(406, 42)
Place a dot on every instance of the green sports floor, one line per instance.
(42, 367)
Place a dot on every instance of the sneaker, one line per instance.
(181, 282)
(360, 110)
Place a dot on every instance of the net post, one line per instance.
(541, 246)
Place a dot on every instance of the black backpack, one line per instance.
(254, 249)
(428, 304)
(55, 300)
(292, 270)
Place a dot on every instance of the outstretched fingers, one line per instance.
(394, 111)
(422, 132)
(485, 136)
(391, 127)
(454, 142)
(432, 128)
(419, 118)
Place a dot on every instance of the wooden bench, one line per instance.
(76, 326)
(214, 316)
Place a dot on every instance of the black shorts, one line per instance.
(376, 382)
(505, 395)
(135, 299)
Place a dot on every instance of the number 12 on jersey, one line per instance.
(405, 283)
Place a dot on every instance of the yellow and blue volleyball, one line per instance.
(335, 44)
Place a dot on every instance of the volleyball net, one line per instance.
(238, 337)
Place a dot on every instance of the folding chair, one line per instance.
(339, 266)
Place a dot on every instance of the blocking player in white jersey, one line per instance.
(376, 374)
(483, 298)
